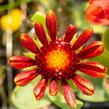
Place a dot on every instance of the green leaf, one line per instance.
(105, 39)
(39, 17)
(98, 29)
(23, 98)
(60, 101)
(72, 85)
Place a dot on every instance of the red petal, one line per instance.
(84, 85)
(24, 78)
(28, 43)
(40, 33)
(71, 30)
(83, 38)
(51, 24)
(53, 88)
(20, 62)
(69, 95)
(92, 50)
(40, 88)
(93, 69)
(90, 1)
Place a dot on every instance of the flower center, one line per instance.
(57, 59)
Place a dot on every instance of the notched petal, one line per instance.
(93, 69)
(24, 78)
(53, 88)
(51, 24)
(71, 30)
(20, 62)
(92, 50)
(84, 85)
(40, 88)
(69, 95)
(40, 32)
(28, 43)
(83, 38)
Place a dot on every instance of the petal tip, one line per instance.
(50, 12)
(90, 30)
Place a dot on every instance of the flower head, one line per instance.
(98, 12)
(59, 60)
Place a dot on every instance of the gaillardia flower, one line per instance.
(59, 60)
(98, 12)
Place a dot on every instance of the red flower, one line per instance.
(59, 60)
(98, 12)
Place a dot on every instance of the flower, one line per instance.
(11, 21)
(59, 60)
(98, 12)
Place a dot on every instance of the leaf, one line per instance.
(105, 39)
(23, 98)
(39, 17)
(59, 101)
(98, 29)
